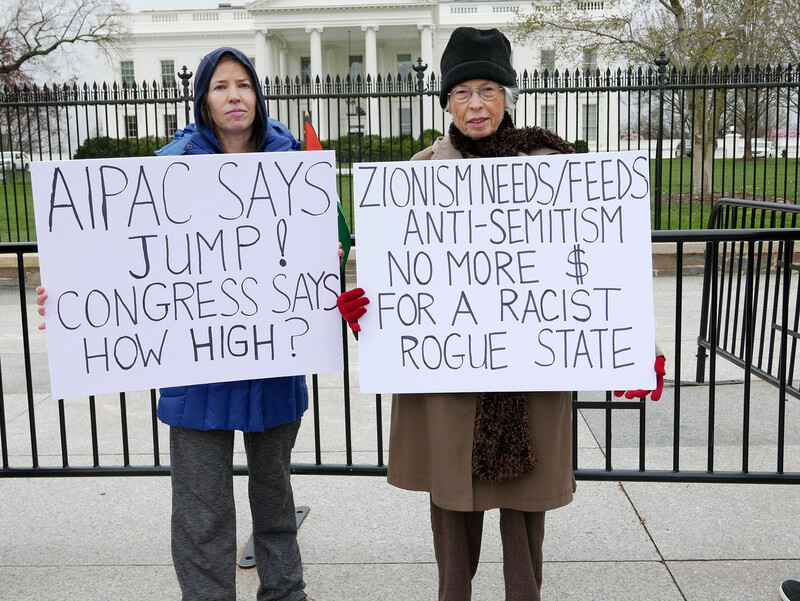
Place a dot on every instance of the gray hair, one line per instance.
(511, 94)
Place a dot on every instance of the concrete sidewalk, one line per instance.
(99, 539)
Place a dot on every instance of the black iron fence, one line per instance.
(750, 310)
(711, 133)
(731, 427)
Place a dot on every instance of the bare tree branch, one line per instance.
(36, 28)
(688, 31)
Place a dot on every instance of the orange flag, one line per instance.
(313, 143)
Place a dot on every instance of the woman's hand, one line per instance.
(656, 394)
(341, 253)
(41, 296)
(352, 306)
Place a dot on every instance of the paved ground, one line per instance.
(87, 539)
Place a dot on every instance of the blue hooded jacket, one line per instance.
(250, 405)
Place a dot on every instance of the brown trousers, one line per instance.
(457, 545)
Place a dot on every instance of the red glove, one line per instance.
(656, 394)
(352, 307)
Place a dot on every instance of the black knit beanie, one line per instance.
(475, 54)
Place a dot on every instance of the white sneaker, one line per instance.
(790, 590)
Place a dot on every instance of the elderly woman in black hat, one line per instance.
(479, 450)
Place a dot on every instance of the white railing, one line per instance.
(165, 17)
(205, 16)
(600, 5)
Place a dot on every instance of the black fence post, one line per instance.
(661, 62)
(419, 69)
(185, 76)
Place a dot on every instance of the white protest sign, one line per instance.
(507, 274)
(166, 271)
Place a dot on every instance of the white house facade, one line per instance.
(361, 38)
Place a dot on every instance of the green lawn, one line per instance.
(774, 178)
(16, 209)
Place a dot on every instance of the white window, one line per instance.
(405, 119)
(168, 74)
(305, 68)
(547, 61)
(356, 69)
(131, 127)
(589, 60)
(126, 70)
(589, 122)
(547, 116)
(403, 66)
(170, 124)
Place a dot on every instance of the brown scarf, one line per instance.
(507, 141)
(502, 444)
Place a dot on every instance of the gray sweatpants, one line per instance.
(204, 515)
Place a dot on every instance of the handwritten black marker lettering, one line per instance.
(266, 194)
(640, 168)
(202, 242)
(169, 217)
(443, 182)
(246, 236)
(327, 203)
(181, 293)
(281, 276)
(149, 200)
(608, 219)
(97, 307)
(105, 194)
(62, 311)
(170, 251)
(288, 183)
(363, 202)
(148, 309)
(238, 198)
(98, 354)
(617, 350)
(59, 177)
(589, 182)
(605, 183)
(463, 301)
(203, 300)
(130, 307)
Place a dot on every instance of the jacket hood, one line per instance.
(199, 138)
(202, 80)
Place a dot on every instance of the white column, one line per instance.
(316, 52)
(283, 70)
(426, 54)
(316, 72)
(371, 46)
(261, 51)
(268, 71)
(371, 69)
(426, 50)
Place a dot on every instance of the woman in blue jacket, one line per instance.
(230, 116)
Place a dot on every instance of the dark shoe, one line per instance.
(790, 590)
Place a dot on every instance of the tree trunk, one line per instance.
(706, 108)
